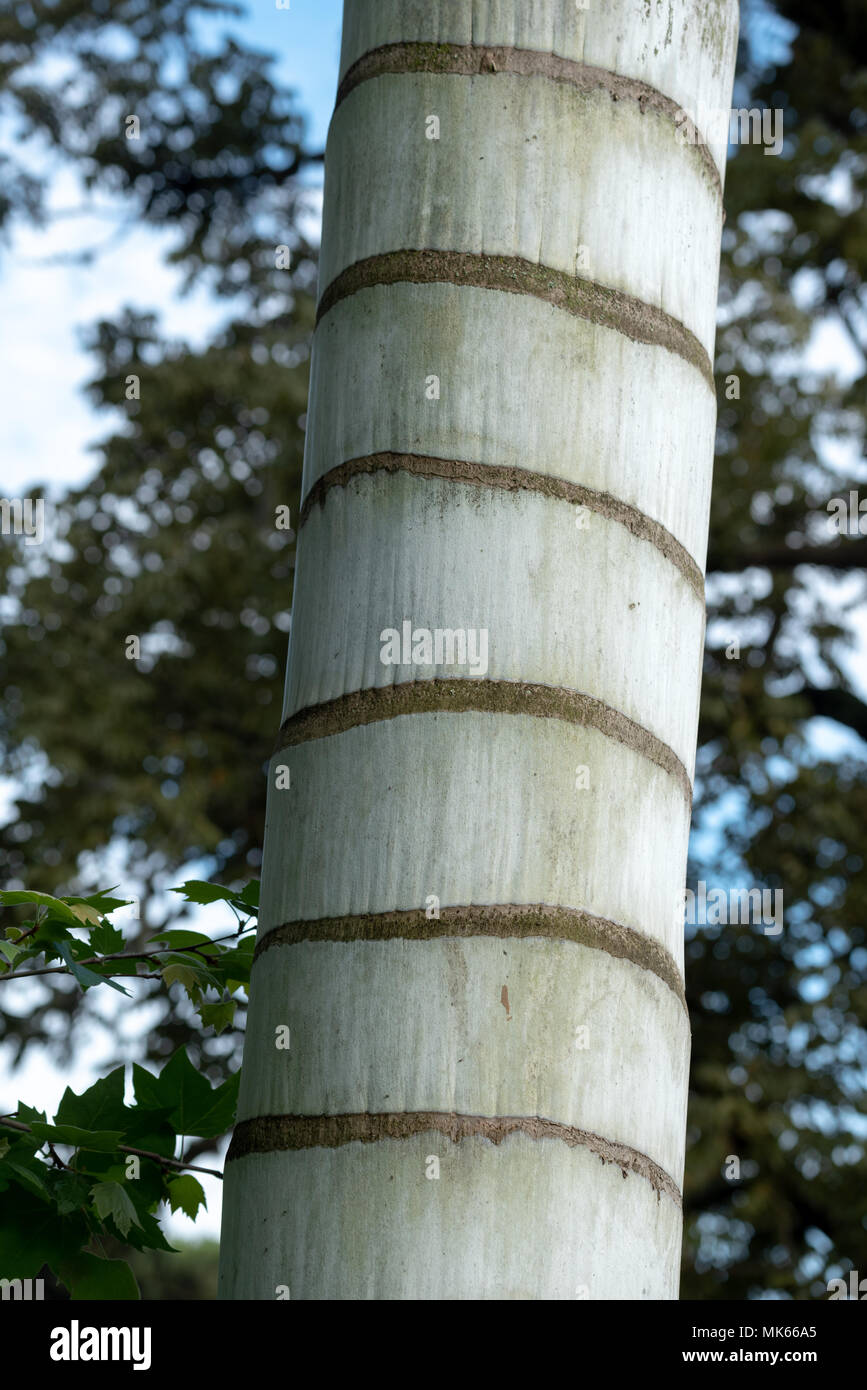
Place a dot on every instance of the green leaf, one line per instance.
(218, 1016)
(49, 936)
(186, 1195)
(100, 1140)
(10, 951)
(106, 968)
(16, 930)
(197, 1108)
(111, 1200)
(105, 938)
(250, 893)
(203, 964)
(33, 1233)
(102, 901)
(149, 1129)
(85, 977)
(56, 906)
(87, 915)
(87, 1276)
(177, 974)
(99, 1107)
(149, 1236)
(195, 890)
(175, 937)
(236, 963)
(29, 1175)
(26, 1114)
(194, 975)
(147, 1089)
(215, 1117)
(69, 1191)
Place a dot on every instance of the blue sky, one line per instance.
(306, 40)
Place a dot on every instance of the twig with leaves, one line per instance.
(102, 1167)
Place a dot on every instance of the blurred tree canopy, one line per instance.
(175, 540)
(182, 538)
(779, 1046)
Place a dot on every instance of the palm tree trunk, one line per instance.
(470, 919)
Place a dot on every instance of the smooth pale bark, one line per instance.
(642, 205)
(524, 1219)
(682, 48)
(469, 919)
(650, 443)
(463, 805)
(543, 624)
(603, 1081)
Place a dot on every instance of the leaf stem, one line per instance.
(128, 1149)
(117, 955)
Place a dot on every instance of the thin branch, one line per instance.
(117, 955)
(127, 1149)
(170, 1162)
(36, 925)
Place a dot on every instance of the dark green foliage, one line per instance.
(779, 1039)
(68, 1186)
(101, 1170)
